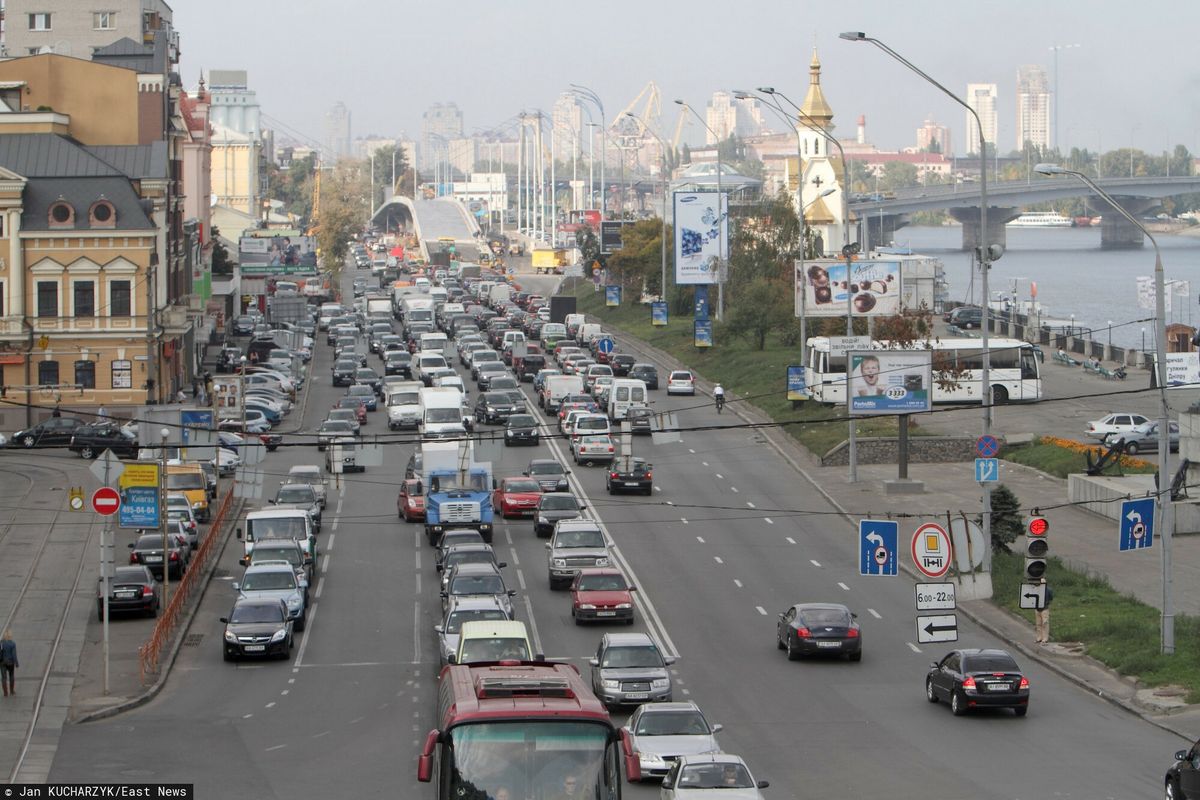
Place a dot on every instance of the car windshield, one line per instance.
(826, 616)
(361, 391)
(288, 554)
(477, 584)
(336, 426)
(495, 649)
(249, 614)
(595, 441)
(672, 723)
(525, 485)
(992, 662)
(345, 414)
(591, 538)
(268, 580)
(469, 557)
(634, 657)
(403, 399)
(345, 364)
(601, 583)
(456, 619)
(460, 537)
(298, 493)
(559, 502)
(129, 574)
(289, 527)
(522, 421)
(186, 480)
(545, 468)
(715, 776)
(443, 415)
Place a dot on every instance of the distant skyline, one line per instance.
(1132, 79)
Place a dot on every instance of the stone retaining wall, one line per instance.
(921, 450)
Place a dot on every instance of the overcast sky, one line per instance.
(1135, 76)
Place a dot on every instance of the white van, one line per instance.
(586, 331)
(423, 285)
(425, 361)
(438, 295)
(492, 640)
(556, 387)
(403, 404)
(442, 413)
(512, 337)
(433, 343)
(279, 523)
(573, 321)
(624, 394)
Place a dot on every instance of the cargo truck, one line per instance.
(458, 489)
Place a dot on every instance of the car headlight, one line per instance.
(279, 635)
(294, 601)
(601, 562)
(610, 684)
(230, 637)
(653, 758)
(660, 683)
(624, 605)
(560, 562)
(197, 505)
(542, 521)
(588, 606)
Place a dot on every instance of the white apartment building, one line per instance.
(75, 27)
(1033, 107)
(337, 132)
(931, 132)
(567, 117)
(982, 98)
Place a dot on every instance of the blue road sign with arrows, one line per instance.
(987, 470)
(1137, 524)
(606, 346)
(877, 547)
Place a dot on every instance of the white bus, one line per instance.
(1014, 370)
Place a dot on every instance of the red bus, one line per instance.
(520, 730)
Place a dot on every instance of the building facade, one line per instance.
(337, 132)
(440, 124)
(982, 97)
(567, 117)
(76, 27)
(1033, 107)
(931, 134)
(234, 105)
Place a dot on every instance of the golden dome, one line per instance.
(814, 104)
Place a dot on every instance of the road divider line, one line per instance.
(751, 505)
(334, 525)
(700, 539)
(270, 704)
(768, 520)
(844, 586)
(790, 540)
(814, 562)
(704, 463)
(329, 543)
(718, 559)
(720, 477)
(737, 583)
(913, 647)
(683, 520)
(338, 510)
(310, 617)
(761, 610)
(418, 560)
(690, 450)
(874, 613)
(417, 629)
(533, 628)
(733, 489)
(521, 578)
(418, 583)
(512, 554)
(325, 563)
(320, 587)
(276, 747)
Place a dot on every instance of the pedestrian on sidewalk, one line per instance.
(8, 663)
(1041, 617)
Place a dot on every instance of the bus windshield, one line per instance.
(529, 759)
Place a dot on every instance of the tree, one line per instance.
(588, 243)
(1007, 522)
(639, 261)
(763, 305)
(383, 171)
(344, 210)
(898, 175)
(293, 186)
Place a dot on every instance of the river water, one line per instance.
(1073, 275)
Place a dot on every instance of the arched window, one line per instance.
(61, 214)
(102, 214)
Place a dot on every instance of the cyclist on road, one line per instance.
(719, 397)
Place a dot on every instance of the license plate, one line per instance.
(606, 613)
(153, 559)
(636, 695)
(631, 483)
(254, 648)
(126, 595)
(829, 644)
(997, 687)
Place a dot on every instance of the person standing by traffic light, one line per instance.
(1041, 617)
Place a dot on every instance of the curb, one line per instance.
(769, 436)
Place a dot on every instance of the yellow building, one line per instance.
(234, 171)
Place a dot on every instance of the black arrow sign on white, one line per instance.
(932, 629)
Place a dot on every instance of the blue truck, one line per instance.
(458, 489)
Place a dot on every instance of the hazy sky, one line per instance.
(1135, 76)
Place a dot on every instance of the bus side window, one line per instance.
(1029, 366)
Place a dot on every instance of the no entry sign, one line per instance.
(106, 501)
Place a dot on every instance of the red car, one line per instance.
(359, 406)
(410, 501)
(601, 594)
(516, 497)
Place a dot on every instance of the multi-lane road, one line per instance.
(731, 536)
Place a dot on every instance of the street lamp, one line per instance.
(986, 256)
(1165, 510)
(721, 212)
(662, 289)
(588, 94)
(1055, 48)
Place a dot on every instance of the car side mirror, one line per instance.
(131, 545)
(633, 588)
(669, 660)
(243, 561)
(452, 658)
(512, 592)
(525, 474)
(548, 547)
(445, 594)
(763, 784)
(225, 620)
(1181, 755)
(595, 662)
(933, 665)
(566, 472)
(502, 564)
(439, 629)
(236, 587)
(718, 728)
(271, 501)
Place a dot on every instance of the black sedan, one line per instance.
(243, 326)
(398, 362)
(47, 433)
(640, 420)
(630, 475)
(549, 474)
(257, 628)
(495, 407)
(1183, 778)
(971, 679)
(620, 363)
(92, 440)
(521, 429)
(148, 551)
(808, 629)
(132, 588)
(343, 371)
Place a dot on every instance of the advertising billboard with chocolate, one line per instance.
(822, 288)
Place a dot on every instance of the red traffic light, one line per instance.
(1038, 526)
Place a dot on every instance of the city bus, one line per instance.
(524, 726)
(1014, 371)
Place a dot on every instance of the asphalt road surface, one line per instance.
(730, 537)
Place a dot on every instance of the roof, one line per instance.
(49, 155)
(127, 53)
(81, 193)
(137, 161)
(815, 106)
(567, 696)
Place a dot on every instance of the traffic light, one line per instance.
(1037, 549)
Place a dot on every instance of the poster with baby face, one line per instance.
(822, 288)
(889, 381)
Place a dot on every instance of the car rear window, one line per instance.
(990, 663)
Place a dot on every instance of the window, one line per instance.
(62, 215)
(40, 21)
(122, 374)
(47, 373)
(85, 374)
(104, 20)
(47, 298)
(102, 215)
(85, 299)
(120, 299)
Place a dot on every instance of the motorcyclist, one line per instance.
(719, 397)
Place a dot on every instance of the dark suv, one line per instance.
(628, 669)
(966, 317)
(647, 373)
(630, 475)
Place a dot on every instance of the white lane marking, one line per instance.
(418, 560)
(291, 680)
(733, 489)
(271, 704)
(768, 520)
(844, 586)
(718, 559)
(533, 628)
(285, 692)
(357, 720)
(704, 463)
(418, 584)
(874, 613)
(320, 587)
(720, 477)
(814, 562)
(761, 610)
(319, 735)
(686, 691)
(247, 716)
(508, 536)
(790, 540)
(329, 541)
(334, 525)
(737, 583)
(341, 490)
(338, 510)
(325, 564)
(683, 520)
(751, 505)
(512, 555)
(311, 614)
(276, 747)
(521, 579)
(700, 539)
(690, 450)
(913, 647)
(417, 630)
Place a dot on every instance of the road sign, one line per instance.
(106, 501)
(606, 346)
(935, 597)
(75, 498)
(595, 272)
(877, 546)
(987, 446)
(987, 470)
(139, 495)
(931, 550)
(967, 539)
(107, 467)
(838, 345)
(1137, 524)
(941, 628)
(1033, 595)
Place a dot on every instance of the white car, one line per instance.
(681, 381)
(453, 381)
(227, 461)
(1119, 422)
(661, 732)
(716, 775)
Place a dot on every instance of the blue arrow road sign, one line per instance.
(1137, 524)
(987, 470)
(606, 346)
(877, 547)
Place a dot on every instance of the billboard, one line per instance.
(797, 386)
(585, 216)
(139, 489)
(821, 288)
(1183, 369)
(702, 333)
(890, 381)
(658, 313)
(611, 232)
(612, 295)
(283, 253)
(701, 236)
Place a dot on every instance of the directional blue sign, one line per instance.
(1137, 524)
(877, 547)
(987, 470)
(606, 346)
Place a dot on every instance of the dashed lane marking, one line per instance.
(737, 583)
(683, 520)
(276, 747)
(761, 610)
(874, 613)
(751, 505)
(913, 647)
(790, 540)
(718, 559)
(700, 539)
(844, 586)
(814, 562)
(733, 489)
(768, 520)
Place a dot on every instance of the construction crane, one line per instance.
(651, 110)
(683, 120)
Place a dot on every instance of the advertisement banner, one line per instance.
(195, 419)
(701, 236)
(138, 485)
(612, 295)
(874, 288)
(611, 233)
(278, 251)
(1183, 369)
(797, 386)
(658, 313)
(702, 333)
(890, 381)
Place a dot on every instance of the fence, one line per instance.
(193, 580)
(1020, 326)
